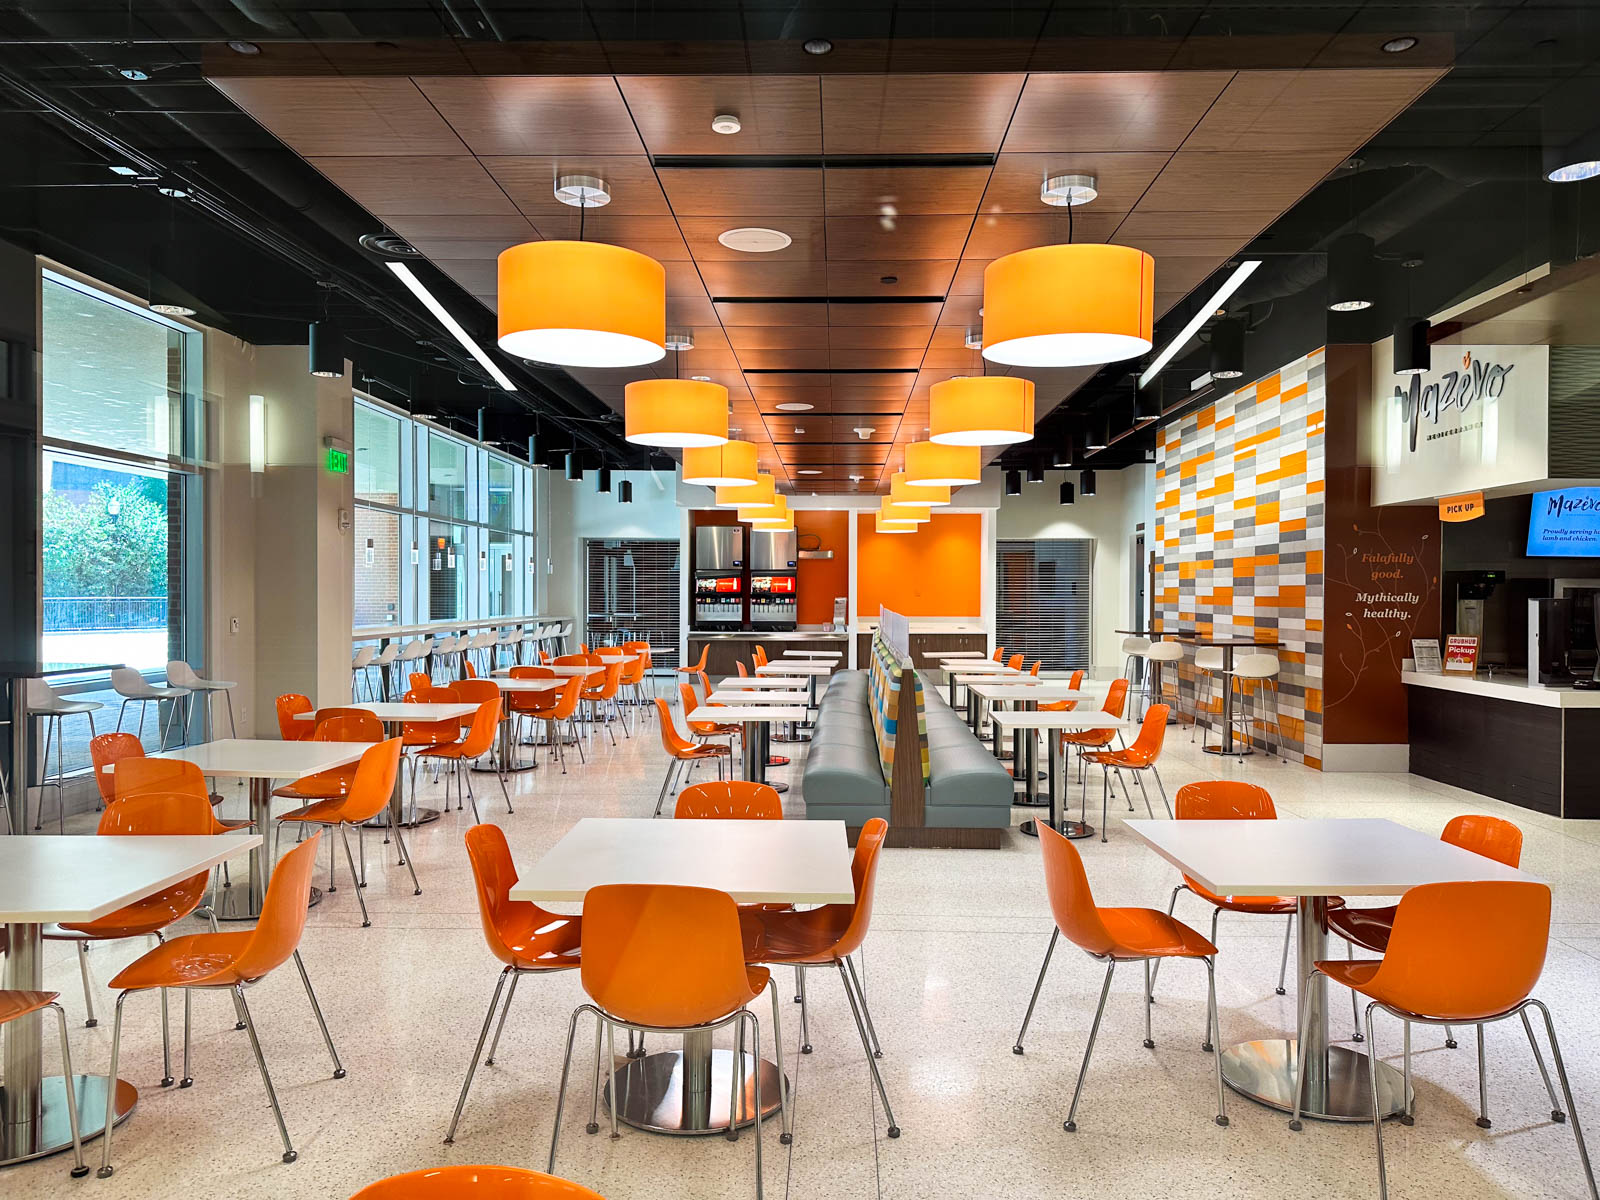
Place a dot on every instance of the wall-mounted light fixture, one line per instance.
(258, 434)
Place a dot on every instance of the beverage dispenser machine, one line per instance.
(774, 594)
(719, 577)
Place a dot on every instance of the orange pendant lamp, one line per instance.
(675, 413)
(981, 410)
(901, 492)
(759, 494)
(915, 513)
(882, 524)
(582, 304)
(732, 464)
(928, 464)
(1068, 306)
(778, 510)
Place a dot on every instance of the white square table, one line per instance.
(755, 742)
(755, 862)
(261, 760)
(944, 654)
(747, 696)
(1024, 692)
(1313, 861)
(44, 880)
(812, 669)
(781, 682)
(836, 654)
(1031, 724)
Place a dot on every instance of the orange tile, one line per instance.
(1291, 526)
(1269, 387)
(1266, 513)
(1203, 524)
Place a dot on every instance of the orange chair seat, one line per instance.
(714, 728)
(14, 1004)
(1132, 757)
(539, 944)
(322, 812)
(1368, 928)
(1089, 737)
(195, 960)
(325, 785)
(1150, 933)
(411, 738)
(788, 936)
(1270, 905)
(449, 750)
(705, 750)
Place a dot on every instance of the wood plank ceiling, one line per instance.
(897, 191)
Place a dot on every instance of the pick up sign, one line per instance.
(1461, 508)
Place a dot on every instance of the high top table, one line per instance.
(44, 880)
(756, 862)
(261, 760)
(1227, 646)
(1050, 724)
(1314, 861)
(833, 654)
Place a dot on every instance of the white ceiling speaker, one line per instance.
(1068, 191)
(752, 239)
(725, 123)
(583, 191)
(864, 431)
(794, 406)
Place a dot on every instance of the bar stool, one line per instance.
(485, 644)
(1255, 677)
(412, 653)
(181, 675)
(510, 642)
(441, 650)
(1133, 652)
(358, 670)
(134, 688)
(1208, 664)
(381, 662)
(44, 701)
(1160, 655)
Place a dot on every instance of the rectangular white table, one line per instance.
(47, 879)
(755, 862)
(758, 720)
(565, 671)
(814, 670)
(813, 654)
(1313, 861)
(944, 654)
(1031, 725)
(782, 682)
(746, 696)
(261, 760)
(1024, 692)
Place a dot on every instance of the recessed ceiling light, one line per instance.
(679, 339)
(888, 279)
(752, 239)
(808, 471)
(124, 171)
(725, 123)
(172, 310)
(583, 191)
(794, 406)
(701, 378)
(174, 193)
(1068, 191)
(247, 48)
(818, 46)
(1574, 172)
(856, 478)
(1399, 45)
(133, 74)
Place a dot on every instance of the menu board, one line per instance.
(1565, 524)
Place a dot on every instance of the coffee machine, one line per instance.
(1561, 638)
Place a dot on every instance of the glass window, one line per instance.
(377, 574)
(377, 457)
(447, 572)
(447, 477)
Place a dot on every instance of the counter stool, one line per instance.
(44, 701)
(1133, 652)
(439, 669)
(1161, 656)
(412, 653)
(181, 676)
(510, 642)
(1208, 663)
(134, 688)
(381, 662)
(359, 662)
(561, 637)
(1255, 677)
(485, 644)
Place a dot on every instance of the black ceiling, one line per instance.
(1453, 186)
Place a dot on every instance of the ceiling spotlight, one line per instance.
(133, 74)
(888, 279)
(864, 432)
(325, 350)
(974, 339)
(1068, 492)
(700, 378)
(1412, 354)
(625, 492)
(753, 239)
(245, 48)
(1068, 191)
(1574, 162)
(818, 46)
(725, 123)
(1035, 474)
(679, 339)
(1399, 45)
(855, 478)
(1227, 350)
(799, 429)
(174, 193)
(574, 466)
(1352, 274)
(583, 191)
(172, 310)
(1097, 437)
(794, 406)
(1013, 483)
(1086, 482)
(808, 471)
(602, 480)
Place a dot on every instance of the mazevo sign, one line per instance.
(1479, 419)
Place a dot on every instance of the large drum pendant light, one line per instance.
(981, 410)
(758, 494)
(901, 492)
(917, 513)
(932, 465)
(732, 464)
(1068, 306)
(882, 524)
(676, 413)
(582, 304)
(778, 510)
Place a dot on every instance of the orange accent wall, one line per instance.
(934, 572)
(821, 579)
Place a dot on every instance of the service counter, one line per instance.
(735, 646)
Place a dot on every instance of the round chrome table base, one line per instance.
(1264, 1072)
(1030, 799)
(1075, 830)
(52, 1132)
(1239, 750)
(234, 905)
(653, 1097)
(425, 816)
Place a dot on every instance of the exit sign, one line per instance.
(338, 461)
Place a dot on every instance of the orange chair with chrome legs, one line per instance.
(705, 652)
(105, 750)
(475, 1183)
(1112, 936)
(680, 751)
(1137, 758)
(1098, 739)
(827, 937)
(658, 958)
(1458, 954)
(529, 940)
(603, 693)
(17, 1004)
(232, 961)
(704, 729)
(562, 707)
(289, 706)
(371, 789)
(475, 743)
(730, 800)
(1015, 662)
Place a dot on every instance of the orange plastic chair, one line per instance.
(1115, 935)
(730, 800)
(1459, 953)
(233, 960)
(603, 693)
(645, 665)
(559, 706)
(288, 705)
(740, 667)
(1037, 663)
(1015, 662)
(527, 938)
(16, 1004)
(468, 671)
(474, 743)
(475, 1183)
(138, 776)
(106, 749)
(1098, 739)
(1073, 684)
(705, 651)
(665, 959)
(999, 653)
(681, 752)
(760, 657)
(371, 788)
(632, 677)
(828, 936)
(344, 725)
(1137, 758)
(419, 679)
(703, 729)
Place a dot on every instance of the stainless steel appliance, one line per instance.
(774, 583)
(719, 561)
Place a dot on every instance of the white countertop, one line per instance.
(1514, 687)
(747, 682)
(1044, 692)
(392, 712)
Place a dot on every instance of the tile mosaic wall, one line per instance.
(1240, 489)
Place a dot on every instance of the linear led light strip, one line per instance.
(450, 323)
(1231, 285)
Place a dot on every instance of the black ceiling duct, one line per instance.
(1227, 349)
(326, 350)
(1412, 354)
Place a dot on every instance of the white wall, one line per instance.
(1110, 517)
(576, 511)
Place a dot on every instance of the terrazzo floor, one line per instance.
(957, 937)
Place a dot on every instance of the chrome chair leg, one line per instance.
(472, 1066)
(79, 1169)
(505, 1011)
(1300, 1058)
(405, 856)
(611, 1076)
(593, 1126)
(872, 1063)
(1483, 1121)
(1377, 1119)
(866, 1012)
(1155, 973)
(1283, 964)
(289, 1153)
(786, 1137)
(344, 837)
(1044, 967)
(166, 1042)
(88, 990)
(1556, 1113)
(1407, 1116)
(566, 1071)
(111, 1091)
(805, 1019)
(1355, 1009)
(316, 1011)
(1566, 1091)
(1213, 1040)
(1071, 1123)
(188, 1022)
(1149, 1040)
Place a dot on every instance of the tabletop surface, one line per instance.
(263, 758)
(986, 666)
(795, 668)
(1367, 856)
(46, 878)
(547, 684)
(1010, 676)
(747, 697)
(389, 711)
(790, 682)
(1072, 719)
(750, 713)
(813, 654)
(1046, 690)
(756, 862)
(943, 654)
(561, 672)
